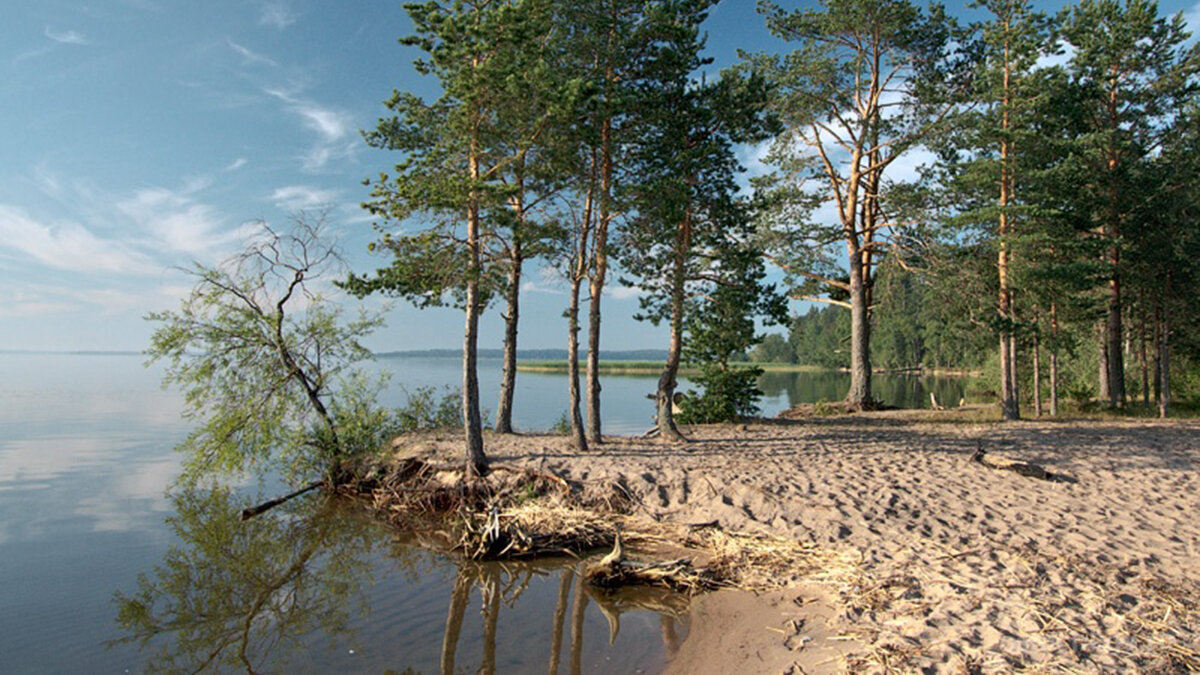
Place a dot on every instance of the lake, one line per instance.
(86, 457)
(541, 398)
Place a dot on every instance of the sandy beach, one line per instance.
(957, 567)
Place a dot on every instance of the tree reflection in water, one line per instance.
(503, 584)
(240, 595)
(263, 594)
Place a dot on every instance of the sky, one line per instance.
(138, 136)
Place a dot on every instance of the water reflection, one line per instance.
(902, 391)
(236, 595)
(502, 585)
(309, 587)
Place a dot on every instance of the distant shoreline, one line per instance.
(646, 367)
(619, 362)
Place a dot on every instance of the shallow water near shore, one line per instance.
(86, 456)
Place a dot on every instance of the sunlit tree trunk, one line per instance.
(1037, 376)
(1054, 360)
(1164, 350)
(1009, 397)
(1103, 389)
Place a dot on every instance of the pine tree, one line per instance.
(1132, 71)
(466, 158)
(688, 226)
(854, 96)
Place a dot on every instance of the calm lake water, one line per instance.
(86, 457)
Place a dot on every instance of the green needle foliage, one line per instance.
(264, 360)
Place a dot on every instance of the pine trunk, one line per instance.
(1104, 391)
(1009, 401)
(1116, 361)
(1164, 359)
(1054, 361)
(578, 438)
(1157, 321)
(1037, 377)
(665, 397)
(1143, 356)
(476, 461)
(599, 276)
(508, 381)
(859, 396)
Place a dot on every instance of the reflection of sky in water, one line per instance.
(86, 453)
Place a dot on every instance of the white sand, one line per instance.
(963, 568)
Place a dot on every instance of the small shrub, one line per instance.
(729, 394)
(426, 410)
(824, 408)
(561, 426)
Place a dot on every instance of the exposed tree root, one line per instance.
(520, 514)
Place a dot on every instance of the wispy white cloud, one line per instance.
(276, 15)
(176, 221)
(67, 37)
(534, 287)
(251, 57)
(65, 246)
(236, 164)
(300, 197)
(332, 127)
(22, 309)
(623, 292)
(110, 297)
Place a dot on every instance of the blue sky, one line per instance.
(139, 135)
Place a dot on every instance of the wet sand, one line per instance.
(961, 568)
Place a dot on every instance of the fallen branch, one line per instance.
(249, 513)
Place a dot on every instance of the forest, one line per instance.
(1048, 235)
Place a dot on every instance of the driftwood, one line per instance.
(615, 571)
(1024, 468)
(249, 513)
